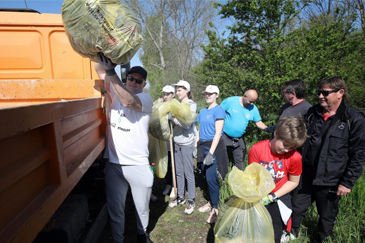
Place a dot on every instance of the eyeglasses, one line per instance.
(138, 81)
(326, 92)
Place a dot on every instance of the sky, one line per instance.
(48, 6)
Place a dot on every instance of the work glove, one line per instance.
(208, 159)
(107, 64)
(266, 200)
(195, 152)
(270, 129)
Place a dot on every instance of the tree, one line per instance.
(173, 36)
(251, 56)
(273, 42)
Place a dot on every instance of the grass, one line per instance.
(350, 221)
(172, 225)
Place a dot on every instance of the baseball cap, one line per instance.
(211, 89)
(140, 70)
(168, 89)
(183, 83)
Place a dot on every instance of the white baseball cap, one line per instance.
(168, 89)
(183, 83)
(211, 89)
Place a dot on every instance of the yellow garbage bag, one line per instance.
(107, 26)
(245, 219)
(158, 155)
(159, 124)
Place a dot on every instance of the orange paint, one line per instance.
(51, 123)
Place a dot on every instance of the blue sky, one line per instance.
(47, 6)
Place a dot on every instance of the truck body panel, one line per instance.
(52, 125)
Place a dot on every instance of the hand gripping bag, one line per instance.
(159, 123)
(245, 219)
(107, 26)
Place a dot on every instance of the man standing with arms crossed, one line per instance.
(333, 156)
(239, 112)
(127, 147)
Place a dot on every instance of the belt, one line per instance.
(235, 143)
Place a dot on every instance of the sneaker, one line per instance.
(190, 207)
(292, 237)
(284, 238)
(144, 238)
(294, 233)
(213, 216)
(166, 190)
(205, 208)
(177, 201)
(153, 198)
(172, 194)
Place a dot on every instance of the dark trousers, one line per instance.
(236, 150)
(211, 175)
(168, 176)
(326, 202)
(277, 222)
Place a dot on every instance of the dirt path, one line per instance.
(167, 224)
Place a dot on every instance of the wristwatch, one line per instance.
(274, 197)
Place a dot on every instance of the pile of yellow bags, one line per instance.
(245, 219)
(107, 26)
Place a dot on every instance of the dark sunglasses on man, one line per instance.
(326, 92)
(138, 81)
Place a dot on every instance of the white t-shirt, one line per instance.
(127, 132)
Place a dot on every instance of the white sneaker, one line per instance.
(176, 202)
(284, 238)
(166, 190)
(190, 207)
(292, 237)
(172, 194)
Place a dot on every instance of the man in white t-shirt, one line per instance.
(127, 147)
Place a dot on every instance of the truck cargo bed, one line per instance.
(51, 131)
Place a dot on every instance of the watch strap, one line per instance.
(274, 197)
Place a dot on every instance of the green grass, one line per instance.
(172, 225)
(350, 221)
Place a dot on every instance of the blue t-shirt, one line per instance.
(238, 116)
(206, 119)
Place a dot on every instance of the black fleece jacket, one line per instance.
(339, 155)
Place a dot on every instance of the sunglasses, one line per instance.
(326, 92)
(138, 81)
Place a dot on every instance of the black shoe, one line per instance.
(144, 238)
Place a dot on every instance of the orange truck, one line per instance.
(52, 125)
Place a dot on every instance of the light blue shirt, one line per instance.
(238, 117)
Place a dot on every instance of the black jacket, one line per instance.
(220, 153)
(341, 156)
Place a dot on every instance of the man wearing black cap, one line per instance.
(127, 147)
